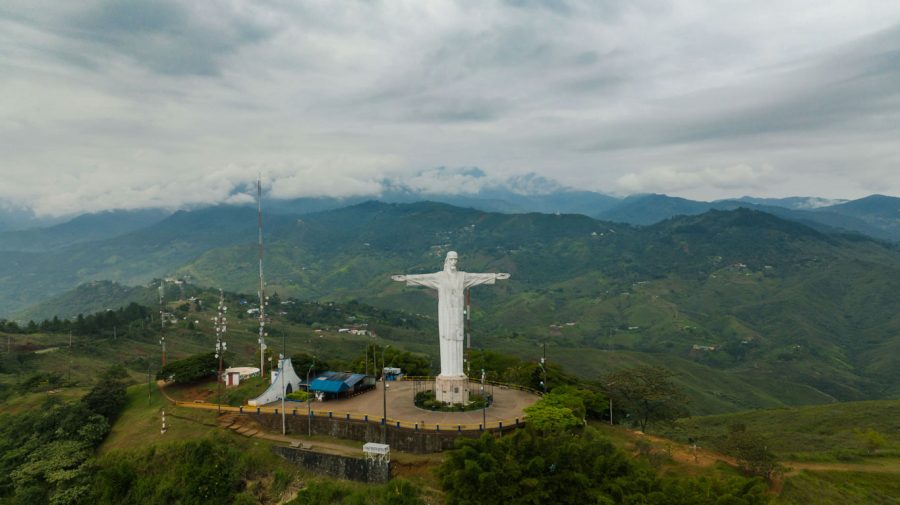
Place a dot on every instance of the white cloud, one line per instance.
(128, 104)
(670, 180)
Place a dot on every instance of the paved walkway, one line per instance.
(508, 405)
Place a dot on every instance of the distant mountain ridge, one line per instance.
(782, 312)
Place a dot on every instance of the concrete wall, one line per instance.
(401, 439)
(341, 467)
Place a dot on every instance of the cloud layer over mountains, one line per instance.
(136, 103)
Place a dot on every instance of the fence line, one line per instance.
(347, 416)
(395, 423)
(502, 385)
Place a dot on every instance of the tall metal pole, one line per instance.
(309, 397)
(221, 346)
(162, 319)
(69, 372)
(384, 397)
(544, 367)
(262, 284)
(483, 403)
(281, 373)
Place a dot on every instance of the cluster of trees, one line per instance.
(565, 408)
(47, 453)
(646, 395)
(191, 369)
(567, 465)
(751, 452)
(99, 323)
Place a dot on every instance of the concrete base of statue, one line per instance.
(451, 389)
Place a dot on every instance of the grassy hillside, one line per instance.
(808, 432)
(779, 313)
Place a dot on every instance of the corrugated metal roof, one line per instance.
(328, 386)
(335, 382)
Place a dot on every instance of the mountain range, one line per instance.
(773, 311)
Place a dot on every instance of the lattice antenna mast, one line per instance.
(262, 284)
(162, 320)
(221, 322)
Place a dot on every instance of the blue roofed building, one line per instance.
(341, 384)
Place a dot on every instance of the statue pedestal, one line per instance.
(451, 389)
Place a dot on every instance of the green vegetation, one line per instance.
(647, 394)
(47, 452)
(748, 310)
(298, 396)
(840, 488)
(209, 470)
(191, 369)
(574, 467)
(816, 432)
(428, 401)
(322, 492)
(751, 452)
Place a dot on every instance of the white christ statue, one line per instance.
(451, 285)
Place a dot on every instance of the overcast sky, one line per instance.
(124, 104)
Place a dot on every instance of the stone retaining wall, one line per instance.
(341, 467)
(401, 439)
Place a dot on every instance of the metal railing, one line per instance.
(501, 385)
(348, 416)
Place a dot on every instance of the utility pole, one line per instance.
(281, 373)
(384, 397)
(69, 372)
(544, 367)
(483, 403)
(309, 397)
(162, 319)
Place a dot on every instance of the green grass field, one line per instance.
(816, 432)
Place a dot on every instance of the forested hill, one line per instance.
(789, 314)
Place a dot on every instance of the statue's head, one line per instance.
(451, 261)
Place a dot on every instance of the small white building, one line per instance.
(233, 376)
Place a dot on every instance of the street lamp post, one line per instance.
(483, 403)
(384, 397)
(544, 368)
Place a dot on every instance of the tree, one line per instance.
(648, 394)
(191, 369)
(547, 417)
(751, 452)
(871, 439)
(107, 397)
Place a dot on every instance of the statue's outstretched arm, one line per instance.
(427, 280)
(476, 279)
